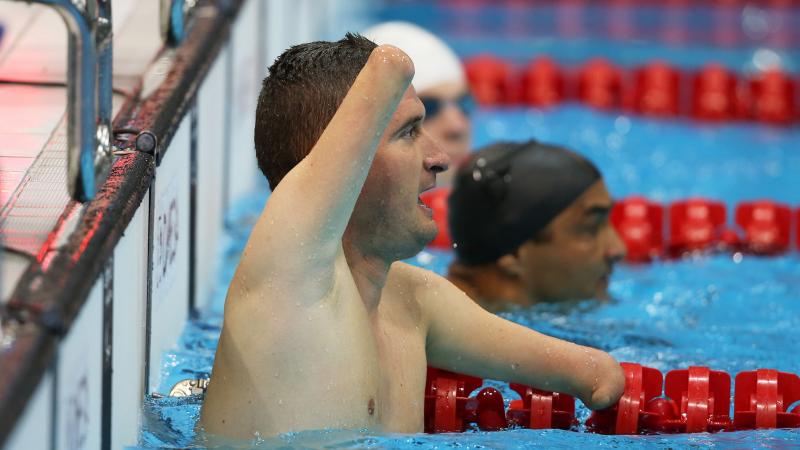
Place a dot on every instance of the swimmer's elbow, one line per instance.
(610, 384)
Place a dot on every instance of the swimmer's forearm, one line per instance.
(591, 375)
(306, 215)
(606, 382)
(340, 160)
(463, 337)
(492, 347)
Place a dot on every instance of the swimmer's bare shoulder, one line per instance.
(299, 233)
(293, 334)
(463, 337)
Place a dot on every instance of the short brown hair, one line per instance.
(299, 97)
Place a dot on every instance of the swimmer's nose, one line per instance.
(436, 160)
(616, 247)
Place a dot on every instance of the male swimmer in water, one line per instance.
(323, 328)
(441, 85)
(530, 223)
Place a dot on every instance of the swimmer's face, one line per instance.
(388, 216)
(450, 125)
(577, 253)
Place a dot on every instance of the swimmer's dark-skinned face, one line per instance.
(389, 218)
(450, 126)
(576, 255)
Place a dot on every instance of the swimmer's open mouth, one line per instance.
(424, 207)
(421, 203)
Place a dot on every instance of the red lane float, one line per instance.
(446, 397)
(704, 399)
(656, 90)
(542, 83)
(763, 398)
(490, 80)
(600, 84)
(797, 221)
(766, 226)
(629, 415)
(773, 97)
(714, 94)
(436, 200)
(694, 400)
(541, 409)
(640, 224)
(487, 410)
(695, 224)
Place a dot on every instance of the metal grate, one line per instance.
(39, 201)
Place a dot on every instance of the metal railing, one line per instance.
(89, 91)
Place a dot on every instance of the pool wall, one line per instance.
(138, 260)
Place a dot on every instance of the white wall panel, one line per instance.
(211, 110)
(170, 258)
(243, 169)
(33, 428)
(130, 308)
(79, 378)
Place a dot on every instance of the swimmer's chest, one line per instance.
(382, 357)
(400, 342)
(363, 368)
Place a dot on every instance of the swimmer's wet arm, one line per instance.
(301, 227)
(465, 338)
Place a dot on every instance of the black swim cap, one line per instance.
(506, 193)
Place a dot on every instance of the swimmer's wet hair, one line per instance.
(299, 97)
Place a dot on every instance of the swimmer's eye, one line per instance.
(593, 227)
(589, 230)
(412, 132)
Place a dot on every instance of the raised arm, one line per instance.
(465, 338)
(299, 232)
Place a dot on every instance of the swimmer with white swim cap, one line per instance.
(530, 223)
(324, 327)
(441, 84)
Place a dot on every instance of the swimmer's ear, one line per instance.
(510, 265)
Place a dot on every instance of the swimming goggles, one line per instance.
(434, 105)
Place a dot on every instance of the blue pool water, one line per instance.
(729, 312)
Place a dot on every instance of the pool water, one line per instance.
(728, 312)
